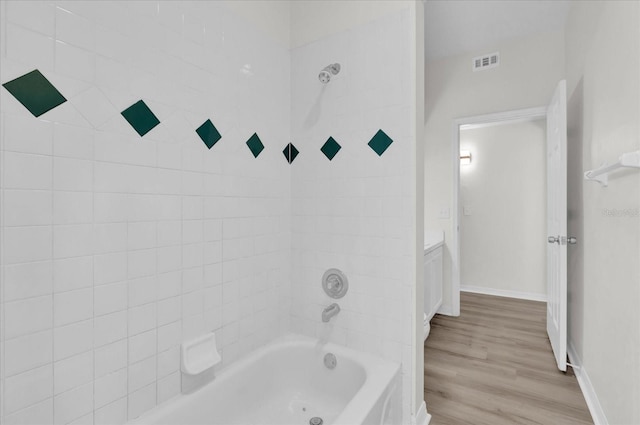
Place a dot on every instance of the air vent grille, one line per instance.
(481, 63)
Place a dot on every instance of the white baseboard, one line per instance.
(589, 393)
(446, 310)
(422, 417)
(436, 309)
(504, 293)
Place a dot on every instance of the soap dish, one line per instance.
(199, 354)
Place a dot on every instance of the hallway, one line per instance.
(494, 365)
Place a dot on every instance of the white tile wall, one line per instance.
(73, 339)
(27, 280)
(115, 247)
(19, 355)
(342, 209)
(73, 372)
(27, 316)
(120, 247)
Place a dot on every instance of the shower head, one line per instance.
(327, 72)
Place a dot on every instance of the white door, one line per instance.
(557, 224)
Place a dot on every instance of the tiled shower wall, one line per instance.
(354, 212)
(116, 247)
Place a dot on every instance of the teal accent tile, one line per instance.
(290, 152)
(255, 145)
(140, 117)
(330, 148)
(35, 92)
(208, 133)
(380, 142)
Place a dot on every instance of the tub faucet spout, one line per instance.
(330, 311)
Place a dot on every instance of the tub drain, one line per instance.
(330, 361)
(315, 421)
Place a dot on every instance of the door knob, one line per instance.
(562, 240)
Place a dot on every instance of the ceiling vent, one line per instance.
(481, 63)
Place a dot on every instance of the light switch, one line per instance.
(444, 213)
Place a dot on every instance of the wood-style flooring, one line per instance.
(494, 365)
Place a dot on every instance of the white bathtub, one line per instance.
(286, 382)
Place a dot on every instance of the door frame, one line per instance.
(516, 115)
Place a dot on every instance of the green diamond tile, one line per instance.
(35, 92)
(380, 142)
(255, 145)
(290, 152)
(208, 133)
(140, 117)
(330, 148)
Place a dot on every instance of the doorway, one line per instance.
(503, 206)
(472, 124)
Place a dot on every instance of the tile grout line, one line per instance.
(2, 266)
(53, 310)
(128, 282)
(155, 239)
(53, 304)
(53, 342)
(93, 271)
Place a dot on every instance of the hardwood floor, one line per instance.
(494, 365)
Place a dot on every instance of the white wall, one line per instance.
(116, 247)
(356, 212)
(603, 82)
(418, 233)
(528, 73)
(313, 19)
(502, 194)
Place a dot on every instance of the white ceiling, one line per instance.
(454, 27)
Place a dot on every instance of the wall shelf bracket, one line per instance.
(601, 174)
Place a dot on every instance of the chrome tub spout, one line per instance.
(330, 311)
